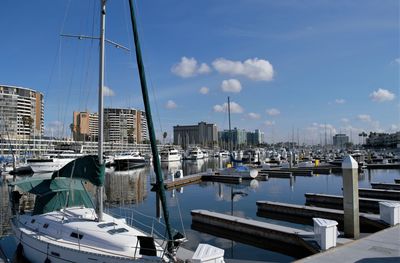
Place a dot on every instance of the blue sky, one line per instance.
(286, 65)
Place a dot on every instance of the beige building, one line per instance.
(120, 125)
(21, 112)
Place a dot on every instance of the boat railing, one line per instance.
(148, 224)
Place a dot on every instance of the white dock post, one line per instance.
(350, 198)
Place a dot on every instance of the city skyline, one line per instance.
(287, 66)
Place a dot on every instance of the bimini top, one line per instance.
(65, 188)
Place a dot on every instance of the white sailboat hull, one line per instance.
(57, 246)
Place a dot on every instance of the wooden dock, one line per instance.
(367, 205)
(179, 182)
(299, 214)
(287, 240)
(384, 186)
(382, 246)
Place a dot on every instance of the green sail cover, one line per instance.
(84, 168)
(55, 194)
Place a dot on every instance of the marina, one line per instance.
(130, 189)
(203, 132)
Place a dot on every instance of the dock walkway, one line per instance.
(383, 246)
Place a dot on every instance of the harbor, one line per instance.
(203, 132)
(278, 202)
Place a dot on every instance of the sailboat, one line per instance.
(64, 224)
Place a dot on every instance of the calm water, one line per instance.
(132, 189)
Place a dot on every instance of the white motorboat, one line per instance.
(195, 154)
(128, 160)
(170, 154)
(53, 161)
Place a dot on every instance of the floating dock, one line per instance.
(383, 166)
(382, 246)
(384, 186)
(287, 240)
(369, 223)
(379, 194)
(201, 177)
(367, 205)
(275, 173)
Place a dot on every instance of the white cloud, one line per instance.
(255, 69)
(344, 120)
(188, 67)
(394, 128)
(364, 118)
(382, 95)
(231, 85)
(171, 105)
(269, 123)
(108, 92)
(340, 101)
(235, 108)
(203, 69)
(254, 116)
(397, 60)
(204, 90)
(273, 112)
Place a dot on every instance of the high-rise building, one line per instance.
(203, 133)
(237, 139)
(120, 125)
(85, 126)
(340, 140)
(21, 111)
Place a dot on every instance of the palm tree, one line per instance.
(164, 136)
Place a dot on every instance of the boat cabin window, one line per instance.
(103, 225)
(76, 235)
(117, 231)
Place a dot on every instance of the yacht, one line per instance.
(251, 156)
(52, 161)
(128, 160)
(224, 154)
(170, 155)
(195, 154)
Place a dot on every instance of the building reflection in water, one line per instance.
(126, 187)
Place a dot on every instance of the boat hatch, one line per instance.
(76, 235)
(117, 231)
(103, 225)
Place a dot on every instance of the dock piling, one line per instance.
(350, 198)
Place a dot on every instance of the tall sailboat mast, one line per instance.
(146, 101)
(99, 205)
(230, 131)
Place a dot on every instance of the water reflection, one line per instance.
(128, 187)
